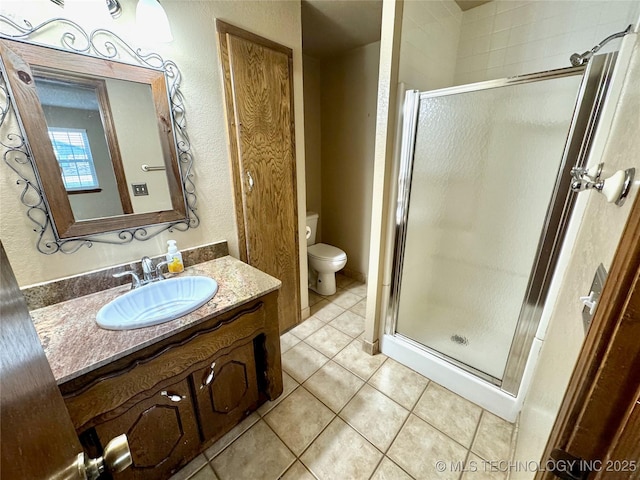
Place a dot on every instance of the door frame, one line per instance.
(602, 402)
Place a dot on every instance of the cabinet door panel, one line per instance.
(227, 396)
(162, 433)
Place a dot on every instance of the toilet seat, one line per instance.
(322, 251)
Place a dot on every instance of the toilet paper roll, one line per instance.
(308, 232)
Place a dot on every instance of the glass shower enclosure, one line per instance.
(482, 205)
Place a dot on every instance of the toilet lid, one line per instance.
(322, 251)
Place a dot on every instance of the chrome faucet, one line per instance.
(147, 270)
(150, 273)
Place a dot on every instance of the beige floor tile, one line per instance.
(341, 453)
(257, 454)
(190, 468)
(288, 386)
(328, 340)
(350, 323)
(359, 362)
(231, 435)
(314, 298)
(387, 470)
(493, 440)
(326, 311)
(400, 383)
(359, 289)
(301, 361)
(343, 281)
(333, 385)
(449, 413)
(306, 328)
(330, 298)
(297, 472)
(419, 446)
(299, 419)
(287, 341)
(375, 416)
(205, 473)
(346, 299)
(360, 308)
(478, 469)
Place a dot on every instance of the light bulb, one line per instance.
(152, 21)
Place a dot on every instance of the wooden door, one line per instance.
(37, 437)
(599, 419)
(259, 108)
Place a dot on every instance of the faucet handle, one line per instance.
(135, 280)
(159, 266)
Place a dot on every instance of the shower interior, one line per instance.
(467, 315)
(483, 203)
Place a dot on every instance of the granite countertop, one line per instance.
(75, 345)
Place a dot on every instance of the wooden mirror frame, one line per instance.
(101, 54)
(20, 61)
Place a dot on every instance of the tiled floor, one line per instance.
(348, 415)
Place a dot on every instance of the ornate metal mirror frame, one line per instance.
(19, 153)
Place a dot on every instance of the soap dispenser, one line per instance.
(174, 257)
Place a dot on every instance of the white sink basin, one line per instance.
(156, 303)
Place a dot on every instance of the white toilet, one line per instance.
(324, 260)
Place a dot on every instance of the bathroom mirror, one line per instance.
(101, 125)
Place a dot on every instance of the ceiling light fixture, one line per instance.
(115, 9)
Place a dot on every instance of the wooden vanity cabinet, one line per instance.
(162, 431)
(173, 399)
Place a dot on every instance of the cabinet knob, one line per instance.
(174, 397)
(209, 379)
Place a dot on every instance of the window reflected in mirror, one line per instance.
(102, 131)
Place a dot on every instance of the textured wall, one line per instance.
(349, 100)
(597, 240)
(505, 38)
(313, 136)
(194, 50)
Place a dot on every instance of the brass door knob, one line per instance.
(116, 458)
(117, 455)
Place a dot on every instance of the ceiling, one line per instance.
(469, 4)
(330, 27)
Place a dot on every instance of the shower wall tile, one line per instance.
(429, 43)
(538, 35)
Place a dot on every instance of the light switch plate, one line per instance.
(596, 287)
(139, 189)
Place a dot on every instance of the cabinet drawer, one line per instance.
(226, 390)
(109, 394)
(162, 433)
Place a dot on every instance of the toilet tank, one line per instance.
(312, 223)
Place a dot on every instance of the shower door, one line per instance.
(481, 204)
